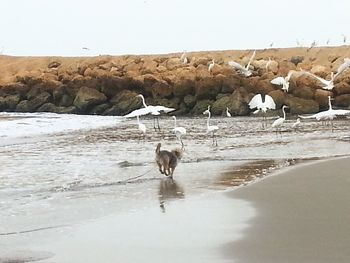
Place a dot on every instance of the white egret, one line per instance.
(142, 127)
(149, 109)
(211, 128)
(211, 65)
(327, 115)
(228, 114)
(243, 70)
(179, 131)
(279, 122)
(267, 65)
(329, 84)
(296, 124)
(183, 57)
(260, 105)
(284, 81)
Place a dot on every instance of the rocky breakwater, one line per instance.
(108, 85)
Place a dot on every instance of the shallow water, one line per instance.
(61, 170)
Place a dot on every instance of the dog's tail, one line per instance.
(158, 148)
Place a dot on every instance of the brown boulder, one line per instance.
(173, 63)
(124, 102)
(87, 97)
(303, 92)
(321, 97)
(342, 88)
(207, 88)
(342, 101)
(301, 106)
(201, 106)
(279, 97)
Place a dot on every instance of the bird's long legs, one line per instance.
(156, 119)
(215, 141)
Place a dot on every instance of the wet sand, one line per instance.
(302, 215)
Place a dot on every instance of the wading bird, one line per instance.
(179, 131)
(153, 110)
(243, 70)
(296, 124)
(211, 128)
(228, 114)
(142, 127)
(262, 105)
(279, 122)
(327, 115)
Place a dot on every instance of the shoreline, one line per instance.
(301, 215)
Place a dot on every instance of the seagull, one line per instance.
(260, 105)
(148, 109)
(329, 84)
(142, 127)
(271, 44)
(211, 128)
(284, 81)
(243, 70)
(86, 48)
(228, 114)
(327, 115)
(179, 131)
(211, 65)
(313, 44)
(278, 123)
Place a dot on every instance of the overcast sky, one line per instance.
(65, 27)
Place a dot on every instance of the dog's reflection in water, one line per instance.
(168, 190)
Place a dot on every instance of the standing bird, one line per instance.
(183, 57)
(344, 38)
(211, 128)
(243, 70)
(327, 115)
(142, 127)
(284, 81)
(296, 124)
(260, 105)
(278, 123)
(153, 110)
(211, 65)
(228, 114)
(179, 131)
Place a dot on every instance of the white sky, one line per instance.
(64, 27)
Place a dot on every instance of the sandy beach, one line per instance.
(302, 215)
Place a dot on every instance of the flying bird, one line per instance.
(327, 115)
(283, 81)
(211, 128)
(259, 104)
(243, 70)
(329, 84)
(148, 109)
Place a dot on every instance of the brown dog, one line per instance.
(167, 161)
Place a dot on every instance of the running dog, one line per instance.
(167, 161)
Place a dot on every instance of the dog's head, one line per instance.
(178, 153)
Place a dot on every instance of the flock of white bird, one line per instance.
(261, 103)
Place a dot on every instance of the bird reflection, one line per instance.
(168, 190)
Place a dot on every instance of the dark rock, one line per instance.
(190, 101)
(47, 107)
(24, 106)
(279, 97)
(54, 64)
(3, 104)
(321, 97)
(301, 106)
(342, 100)
(67, 110)
(123, 103)
(207, 88)
(99, 109)
(87, 98)
(296, 60)
(201, 106)
(304, 93)
(12, 101)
